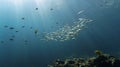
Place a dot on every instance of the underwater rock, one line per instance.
(98, 52)
(102, 60)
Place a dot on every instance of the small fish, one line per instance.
(13, 36)
(2, 41)
(23, 26)
(31, 27)
(6, 26)
(36, 31)
(11, 39)
(80, 11)
(36, 8)
(23, 18)
(11, 28)
(16, 31)
(56, 22)
(26, 41)
(51, 9)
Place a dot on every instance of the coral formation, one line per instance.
(101, 60)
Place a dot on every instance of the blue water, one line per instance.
(28, 50)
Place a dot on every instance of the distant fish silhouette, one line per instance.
(16, 31)
(5, 26)
(13, 36)
(23, 18)
(11, 39)
(23, 26)
(31, 27)
(36, 8)
(11, 28)
(2, 41)
(80, 11)
(51, 9)
(25, 41)
(36, 31)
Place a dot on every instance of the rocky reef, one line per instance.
(100, 60)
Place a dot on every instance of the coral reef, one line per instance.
(101, 60)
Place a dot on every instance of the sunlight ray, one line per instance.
(17, 2)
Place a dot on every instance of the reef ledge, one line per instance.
(100, 60)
